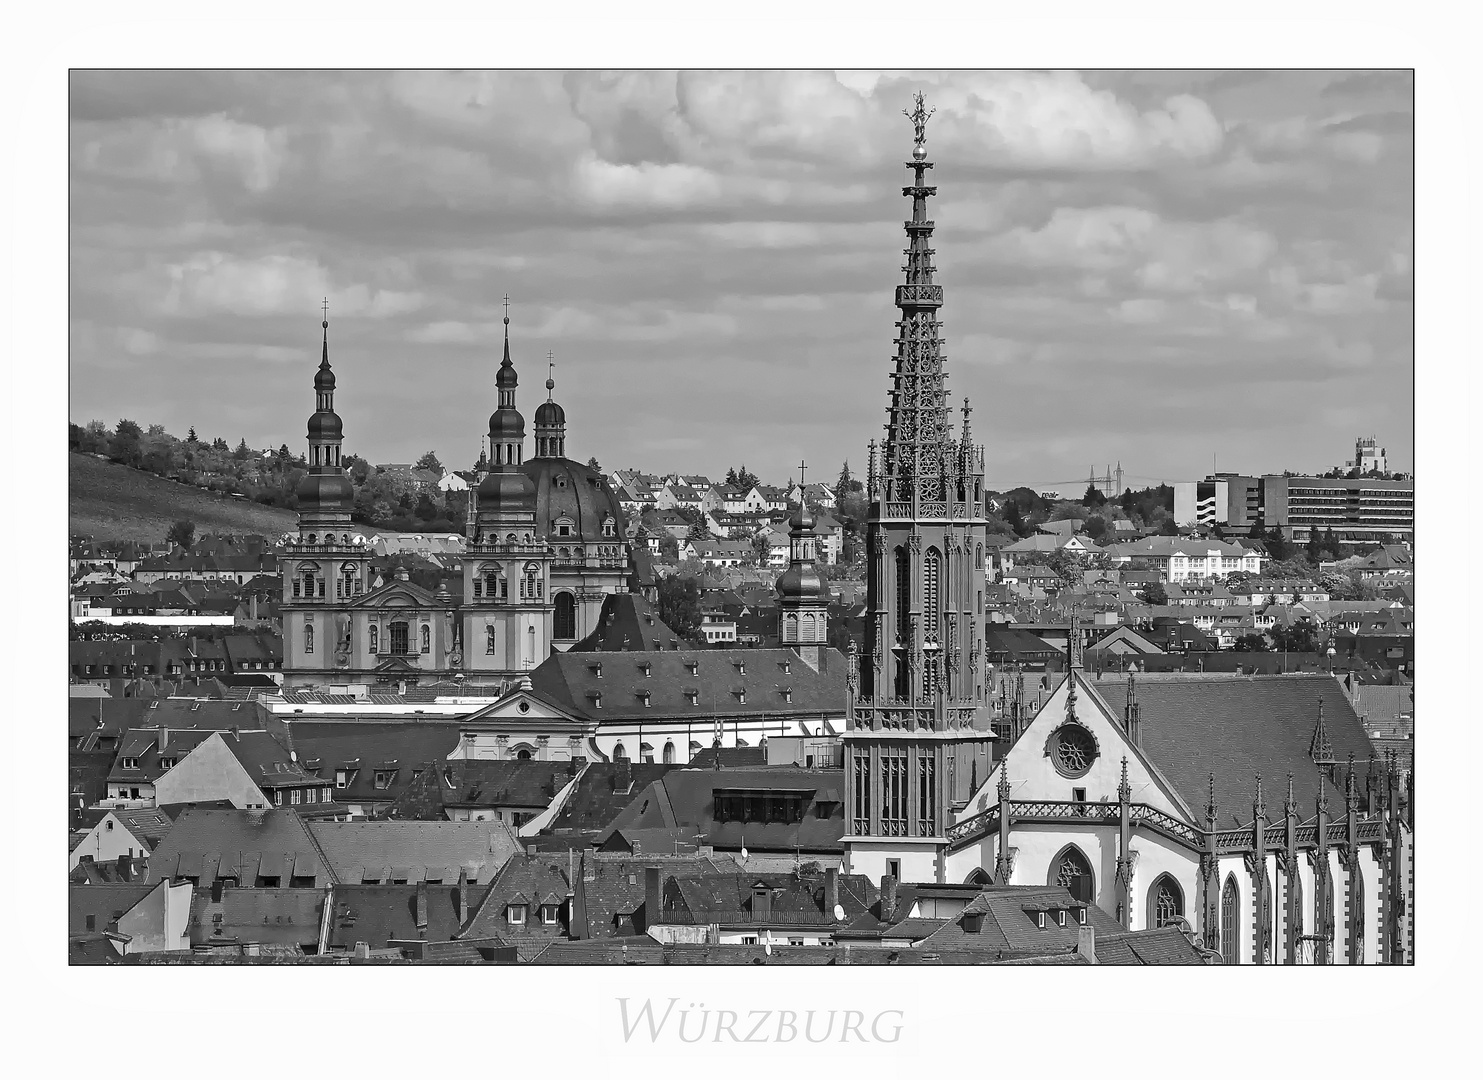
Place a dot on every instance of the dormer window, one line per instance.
(741, 667)
(1040, 919)
(1081, 915)
(515, 914)
(131, 763)
(787, 667)
(741, 697)
(644, 696)
(692, 696)
(167, 763)
(597, 701)
(647, 669)
(694, 668)
(382, 778)
(596, 671)
(787, 693)
(1061, 917)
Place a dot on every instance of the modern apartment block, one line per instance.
(1363, 509)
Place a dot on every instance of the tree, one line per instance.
(846, 485)
(698, 531)
(742, 478)
(592, 463)
(425, 511)
(1331, 544)
(1155, 593)
(430, 462)
(243, 451)
(1012, 516)
(124, 447)
(1093, 497)
(190, 436)
(1278, 546)
(219, 443)
(1251, 643)
(679, 604)
(1168, 527)
(1314, 549)
(284, 457)
(1299, 637)
(1095, 527)
(182, 534)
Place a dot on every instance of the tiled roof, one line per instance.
(725, 681)
(414, 850)
(151, 826)
(379, 914)
(267, 763)
(1239, 728)
(1166, 945)
(684, 799)
(283, 916)
(531, 880)
(244, 844)
(628, 622)
(106, 903)
(611, 887)
(600, 796)
(363, 748)
(482, 784)
(729, 899)
(142, 746)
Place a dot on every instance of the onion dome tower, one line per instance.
(505, 489)
(507, 601)
(918, 725)
(803, 598)
(325, 495)
(550, 421)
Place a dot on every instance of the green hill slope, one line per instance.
(107, 501)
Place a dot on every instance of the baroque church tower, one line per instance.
(918, 735)
(325, 567)
(507, 601)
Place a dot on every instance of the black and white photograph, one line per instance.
(743, 516)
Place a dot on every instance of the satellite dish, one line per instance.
(744, 853)
(839, 912)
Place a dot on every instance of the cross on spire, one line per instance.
(507, 307)
(801, 468)
(325, 307)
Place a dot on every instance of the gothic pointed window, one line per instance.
(1269, 918)
(932, 594)
(1230, 904)
(1165, 902)
(1357, 916)
(1072, 872)
(1297, 890)
(903, 595)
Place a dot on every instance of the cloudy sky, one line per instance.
(1144, 267)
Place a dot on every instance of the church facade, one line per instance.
(545, 545)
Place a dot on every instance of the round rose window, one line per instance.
(1072, 750)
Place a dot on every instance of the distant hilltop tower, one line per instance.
(1367, 456)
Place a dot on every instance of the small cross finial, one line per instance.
(325, 307)
(801, 468)
(507, 309)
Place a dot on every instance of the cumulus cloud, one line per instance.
(711, 256)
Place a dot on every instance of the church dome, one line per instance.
(802, 519)
(573, 496)
(325, 425)
(324, 378)
(324, 490)
(550, 414)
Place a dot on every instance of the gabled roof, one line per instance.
(151, 826)
(380, 914)
(612, 886)
(629, 623)
(267, 763)
(601, 795)
(244, 844)
(106, 903)
(532, 880)
(414, 850)
(476, 784)
(1166, 945)
(283, 916)
(730, 899)
(142, 745)
(362, 748)
(725, 681)
(1239, 728)
(685, 799)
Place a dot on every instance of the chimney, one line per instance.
(1086, 944)
(164, 737)
(422, 909)
(652, 906)
(831, 890)
(463, 894)
(888, 898)
(761, 903)
(624, 778)
(125, 869)
(362, 951)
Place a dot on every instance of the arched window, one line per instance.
(1357, 916)
(669, 753)
(374, 637)
(932, 593)
(978, 876)
(978, 558)
(427, 638)
(349, 580)
(1165, 902)
(1072, 872)
(620, 754)
(1230, 906)
(522, 755)
(308, 637)
(564, 625)
(489, 640)
(903, 595)
(609, 527)
(530, 582)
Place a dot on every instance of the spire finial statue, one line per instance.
(919, 117)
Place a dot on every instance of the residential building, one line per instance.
(136, 917)
(247, 769)
(131, 834)
(1179, 558)
(778, 910)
